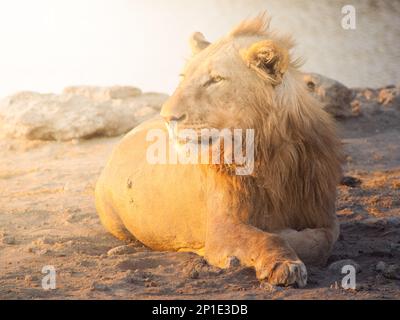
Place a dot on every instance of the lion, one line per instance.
(276, 219)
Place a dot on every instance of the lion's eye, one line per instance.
(212, 80)
(311, 85)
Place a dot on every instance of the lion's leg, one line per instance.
(271, 256)
(313, 246)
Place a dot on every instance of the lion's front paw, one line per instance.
(285, 273)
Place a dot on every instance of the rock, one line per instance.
(380, 266)
(199, 268)
(350, 181)
(269, 287)
(388, 271)
(334, 96)
(95, 286)
(389, 95)
(8, 240)
(393, 221)
(42, 241)
(103, 93)
(337, 266)
(125, 249)
(371, 222)
(30, 278)
(392, 272)
(42, 252)
(80, 113)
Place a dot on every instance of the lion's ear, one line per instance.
(268, 59)
(198, 42)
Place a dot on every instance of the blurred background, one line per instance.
(49, 44)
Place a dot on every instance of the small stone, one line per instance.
(30, 278)
(393, 221)
(99, 287)
(392, 272)
(8, 240)
(121, 250)
(42, 252)
(380, 266)
(350, 181)
(42, 241)
(371, 222)
(337, 266)
(269, 287)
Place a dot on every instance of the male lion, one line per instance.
(274, 219)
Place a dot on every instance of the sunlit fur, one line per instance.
(281, 215)
(298, 158)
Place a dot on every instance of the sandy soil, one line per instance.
(47, 217)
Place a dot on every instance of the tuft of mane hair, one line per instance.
(255, 26)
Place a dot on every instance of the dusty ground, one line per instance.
(47, 217)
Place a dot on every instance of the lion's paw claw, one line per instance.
(287, 273)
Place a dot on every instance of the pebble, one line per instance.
(99, 287)
(8, 240)
(42, 241)
(270, 287)
(388, 271)
(30, 278)
(393, 221)
(392, 272)
(125, 249)
(350, 181)
(42, 252)
(380, 266)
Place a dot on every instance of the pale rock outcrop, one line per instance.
(79, 112)
(104, 93)
(335, 97)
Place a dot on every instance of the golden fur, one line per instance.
(281, 213)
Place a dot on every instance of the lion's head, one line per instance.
(221, 82)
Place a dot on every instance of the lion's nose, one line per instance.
(173, 109)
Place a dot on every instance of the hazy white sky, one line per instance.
(46, 45)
